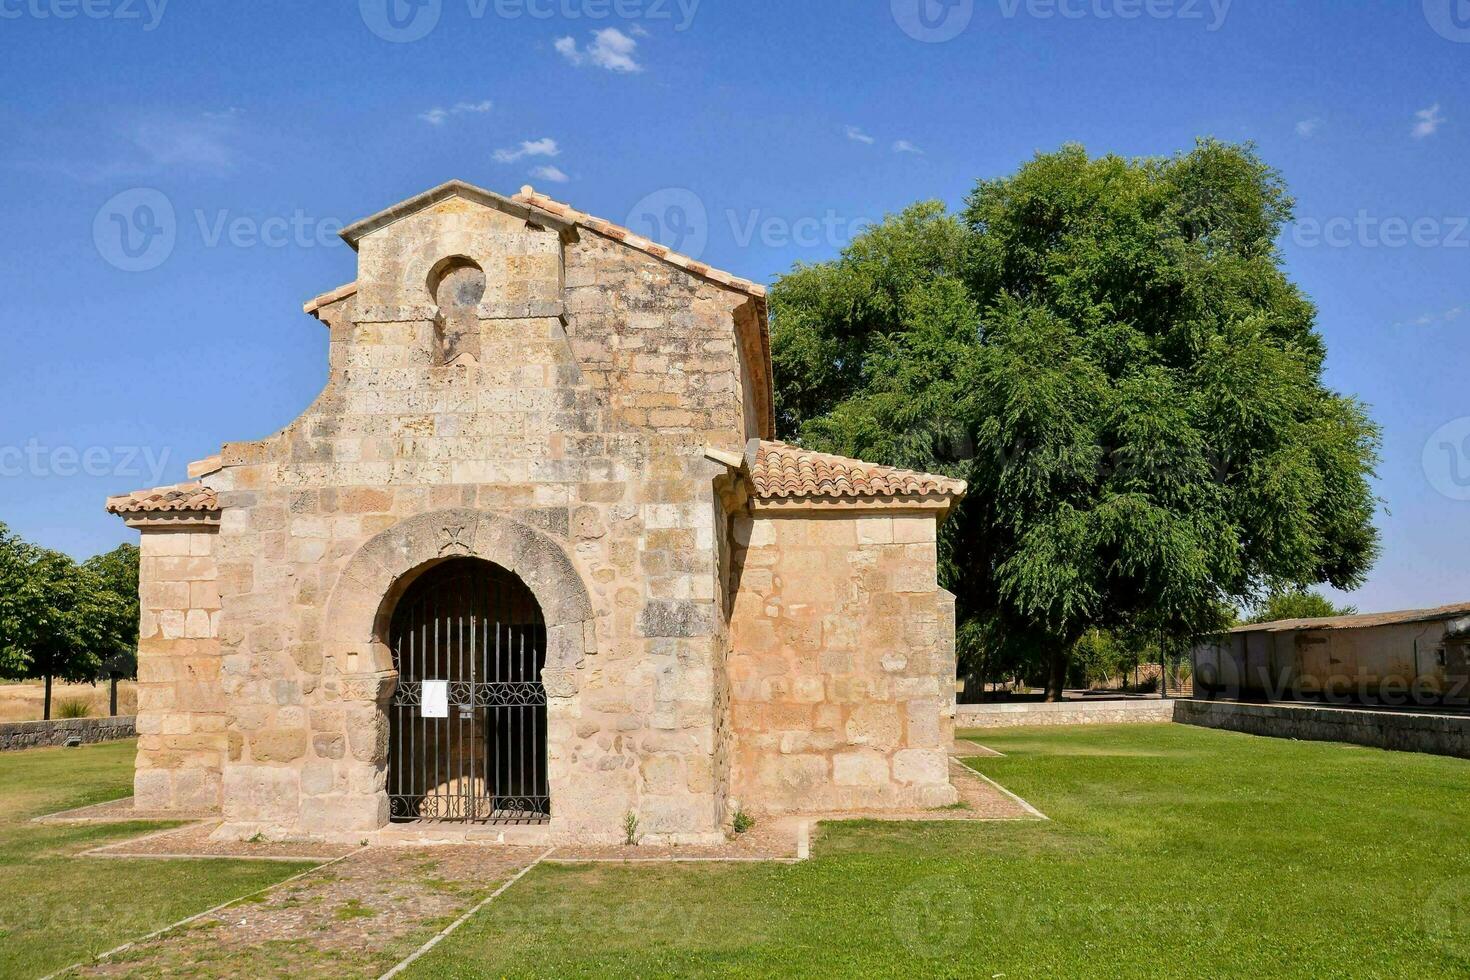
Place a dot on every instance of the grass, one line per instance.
(57, 908)
(1171, 851)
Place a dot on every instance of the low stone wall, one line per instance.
(1114, 712)
(1401, 731)
(58, 731)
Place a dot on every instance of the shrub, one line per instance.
(741, 822)
(73, 708)
(630, 829)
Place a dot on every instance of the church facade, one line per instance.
(533, 557)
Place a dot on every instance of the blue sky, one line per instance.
(231, 140)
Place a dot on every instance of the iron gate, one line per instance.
(467, 740)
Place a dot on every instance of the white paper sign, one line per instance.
(435, 700)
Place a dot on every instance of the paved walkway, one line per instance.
(354, 917)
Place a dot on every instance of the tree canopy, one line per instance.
(62, 620)
(1111, 353)
(1298, 604)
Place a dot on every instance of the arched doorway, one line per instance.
(467, 740)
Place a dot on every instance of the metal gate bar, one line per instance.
(478, 629)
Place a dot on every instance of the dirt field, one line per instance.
(22, 701)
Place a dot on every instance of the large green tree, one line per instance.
(1110, 352)
(58, 619)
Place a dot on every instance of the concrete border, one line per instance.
(1131, 711)
(1035, 813)
(444, 933)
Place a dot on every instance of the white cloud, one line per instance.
(1427, 121)
(904, 146)
(147, 146)
(438, 115)
(1308, 128)
(610, 48)
(545, 147)
(551, 173)
(856, 134)
(638, 30)
(204, 143)
(1435, 319)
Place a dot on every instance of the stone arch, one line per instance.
(361, 605)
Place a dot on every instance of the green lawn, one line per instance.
(56, 909)
(1172, 851)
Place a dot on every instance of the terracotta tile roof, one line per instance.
(177, 499)
(528, 195)
(1359, 621)
(780, 470)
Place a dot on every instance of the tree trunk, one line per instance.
(1056, 675)
(46, 704)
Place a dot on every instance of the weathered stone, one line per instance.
(570, 407)
(278, 745)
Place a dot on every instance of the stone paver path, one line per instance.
(353, 918)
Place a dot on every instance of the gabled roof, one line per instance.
(1361, 621)
(181, 498)
(538, 209)
(358, 230)
(632, 239)
(780, 471)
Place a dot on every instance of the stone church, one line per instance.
(532, 557)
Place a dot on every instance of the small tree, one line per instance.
(1299, 604)
(117, 574)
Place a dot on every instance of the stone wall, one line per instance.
(181, 711)
(842, 662)
(1102, 712)
(571, 408)
(59, 731)
(1446, 734)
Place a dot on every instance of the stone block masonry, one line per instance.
(513, 383)
(842, 663)
(1438, 734)
(60, 731)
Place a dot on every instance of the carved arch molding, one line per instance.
(361, 605)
